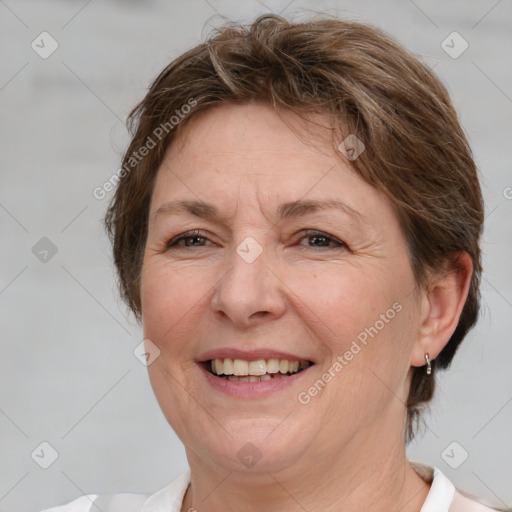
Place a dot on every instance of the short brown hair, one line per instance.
(416, 151)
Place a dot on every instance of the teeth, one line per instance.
(254, 378)
(237, 369)
(240, 367)
(273, 366)
(258, 367)
(228, 368)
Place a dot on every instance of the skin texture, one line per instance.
(345, 449)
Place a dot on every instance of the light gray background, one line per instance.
(68, 374)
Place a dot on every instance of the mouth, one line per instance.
(260, 370)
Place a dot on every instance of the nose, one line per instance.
(250, 293)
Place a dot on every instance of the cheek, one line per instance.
(363, 322)
(344, 300)
(157, 301)
(362, 316)
(171, 300)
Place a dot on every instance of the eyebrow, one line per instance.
(292, 209)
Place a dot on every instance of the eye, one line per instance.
(322, 240)
(189, 239)
(315, 239)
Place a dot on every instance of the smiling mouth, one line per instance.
(240, 370)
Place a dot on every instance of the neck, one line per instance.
(367, 475)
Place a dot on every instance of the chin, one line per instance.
(255, 445)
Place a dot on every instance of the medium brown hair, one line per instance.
(368, 84)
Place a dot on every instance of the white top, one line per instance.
(442, 497)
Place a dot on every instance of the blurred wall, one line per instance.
(69, 73)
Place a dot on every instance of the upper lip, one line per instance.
(249, 355)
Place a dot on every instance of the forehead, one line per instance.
(252, 138)
(243, 154)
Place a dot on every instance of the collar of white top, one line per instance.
(440, 495)
(439, 498)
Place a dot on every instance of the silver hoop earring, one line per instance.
(429, 367)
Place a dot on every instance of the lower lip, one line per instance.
(251, 389)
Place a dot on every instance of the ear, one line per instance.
(441, 306)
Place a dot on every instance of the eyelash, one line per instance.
(173, 244)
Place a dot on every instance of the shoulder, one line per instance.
(445, 497)
(106, 503)
(168, 499)
(82, 504)
(465, 502)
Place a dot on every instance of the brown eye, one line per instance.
(189, 239)
(322, 240)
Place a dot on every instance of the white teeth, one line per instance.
(254, 378)
(240, 367)
(258, 369)
(273, 366)
(228, 367)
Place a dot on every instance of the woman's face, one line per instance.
(263, 249)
